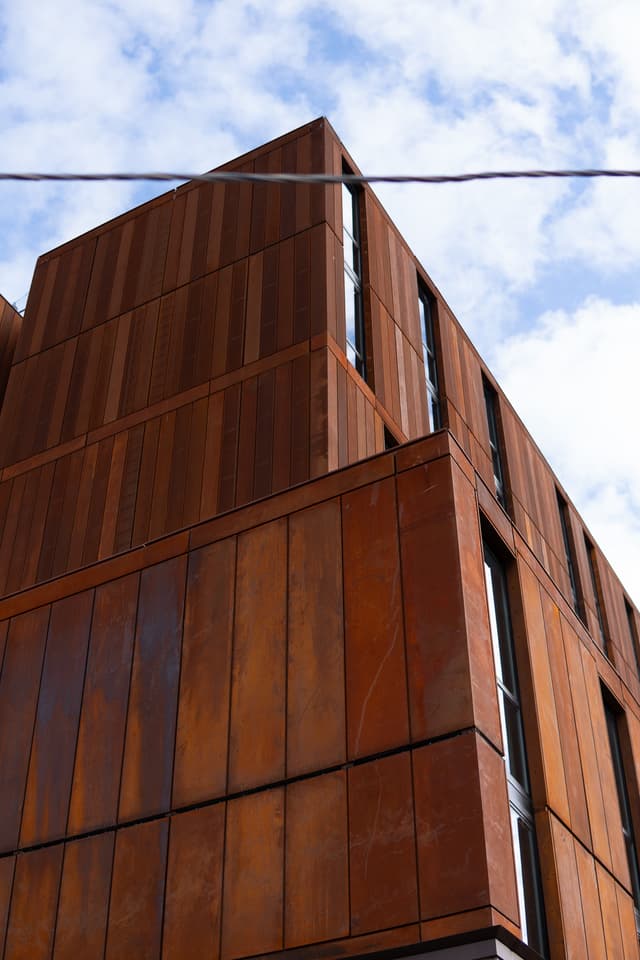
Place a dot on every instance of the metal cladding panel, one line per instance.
(10, 325)
(248, 701)
(221, 695)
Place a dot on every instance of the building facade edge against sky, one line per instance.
(191, 394)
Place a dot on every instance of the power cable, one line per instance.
(222, 176)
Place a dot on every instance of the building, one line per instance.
(305, 652)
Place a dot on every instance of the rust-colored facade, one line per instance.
(252, 701)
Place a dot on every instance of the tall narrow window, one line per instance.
(623, 800)
(569, 552)
(597, 592)
(354, 315)
(530, 899)
(389, 440)
(633, 632)
(429, 357)
(491, 404)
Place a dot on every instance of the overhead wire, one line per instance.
(222, 176)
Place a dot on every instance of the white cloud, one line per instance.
(573, 378)
(417, 85)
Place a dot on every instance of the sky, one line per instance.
(543, 275)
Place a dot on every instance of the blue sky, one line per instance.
(542, 275)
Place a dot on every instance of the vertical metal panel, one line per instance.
(33, 904)
(247, 441)
(566, 924)
(591, 912)
(269, 304)
(129, 489)
(194, 462)
(137, 892)
(46, 804)
(586, 744)
(194, 883)
(151, 723)
(282, 428)
(136, 377)
(211, 472)
(382, 839)
(66, 515)
(81, 925)
(179, 469)
(452, 860)
(164, 461)
(7, 868)
(229, 448)
(315, 671)
(144, 499)
(377, 713)
(19, 686)
(440, 690)
(98, 762)
(569, 751)
(300, 386)
(257, 744)
(316, 871)
(253, 875)
(265, 429)
(497, 830)
(98, 498)
(203, 709)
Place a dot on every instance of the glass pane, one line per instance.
(347, 209)
(431, 367)
(423, 326)
(350, 252)
(437, 419)
(434, 410)
(529, 872)
(517, 858)
(350, 309)
(497, 655)
(500, 627)
(514, 746)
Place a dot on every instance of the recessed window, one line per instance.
(597, 593)
(353, 308)
(429, 356)
(569, 553)
(615, 720)
(389, 440)
(633, 632)
(530, 900)
(491, 405)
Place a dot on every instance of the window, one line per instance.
(597, 592)
(633, 633)
(353, 277)
(389, 440)
(569, 553)
(491, 404)
(429, 357)
(530, 899)
(612, 716)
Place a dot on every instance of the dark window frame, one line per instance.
(495, 443)
(570, 556)
(618, 735)
(598, 596)
(633, 632)
(526, 857)
(390, 440)
(355, 341)
(426, 305)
